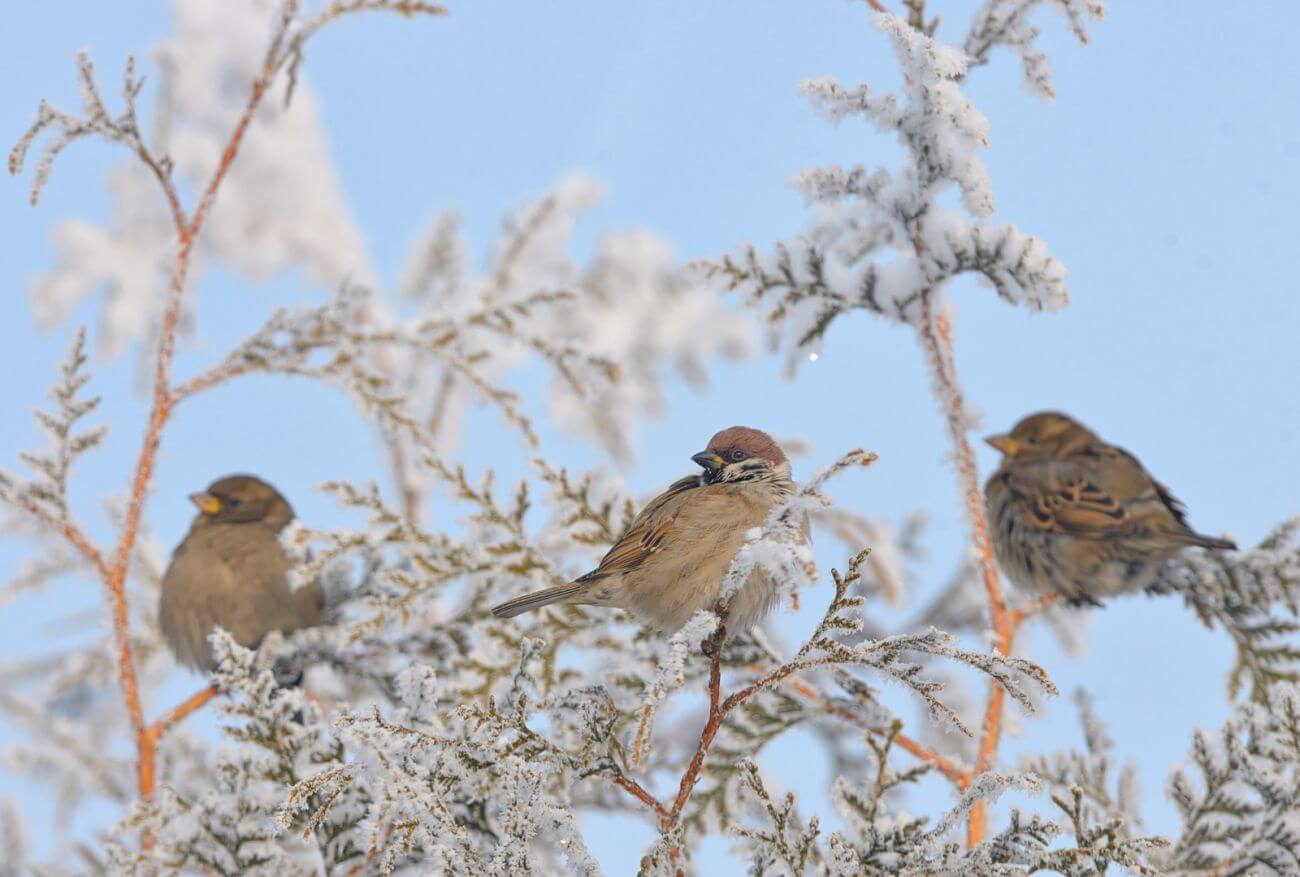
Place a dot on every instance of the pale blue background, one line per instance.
(1165, 178)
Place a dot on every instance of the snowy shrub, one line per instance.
(432, 737)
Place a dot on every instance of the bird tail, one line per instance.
(537, 599)
(1214, 542)
(1191, 537)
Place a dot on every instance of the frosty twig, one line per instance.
(284, 49)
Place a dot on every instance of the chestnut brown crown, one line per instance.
(736, 443)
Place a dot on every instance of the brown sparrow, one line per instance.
(1073, 515)
(671, 561)
(230, 571)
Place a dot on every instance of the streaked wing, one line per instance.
(1147, 487)
(1066, 498)
(648, 530)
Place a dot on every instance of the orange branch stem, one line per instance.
(148, 738)
(206, 381)
(163, 399)
(636, 790)
(936, 340)
(65, 528)
(959, 776)
(717, 712)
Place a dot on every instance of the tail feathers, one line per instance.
(538, 599)
(1213, 542)
(1200, 540)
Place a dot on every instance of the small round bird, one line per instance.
(672, 560)
(1080, 518)
(230, 571)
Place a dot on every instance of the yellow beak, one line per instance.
(207, 503)
(1004, 443)
(709, 461)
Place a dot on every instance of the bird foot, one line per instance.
(1084, 602)
(711, 646)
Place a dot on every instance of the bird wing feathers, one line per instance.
(1066, 498)
(1110, 495)
(651, 529)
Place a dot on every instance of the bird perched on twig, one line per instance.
(671, 561)
(1075, 516)
(230, 571)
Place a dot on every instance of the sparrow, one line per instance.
(672, 560)
(230, 571)
(1075, 516)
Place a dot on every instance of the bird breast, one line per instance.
(689, 578)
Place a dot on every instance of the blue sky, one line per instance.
(1165, 178)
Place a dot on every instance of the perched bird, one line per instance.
(1073, 515)
(231, 571)
(671, 561)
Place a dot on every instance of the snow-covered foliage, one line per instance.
(1241, 811)
(880, 240)
(429, 736)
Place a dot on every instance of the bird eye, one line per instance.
(232, 502)
(737, 454)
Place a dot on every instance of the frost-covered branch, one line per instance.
(125, 129)
(45, 495)
(1239, 816)
(880, 241)
(1006, 23)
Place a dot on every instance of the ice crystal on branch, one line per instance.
(1006, 23)
(46, 494)
(879, 241)
(1241, 815)
(430, 736)
(1254, 595)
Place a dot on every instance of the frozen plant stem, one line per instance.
(187, 234)
(149, 737)
(717, 711)
(936, 340)
(284, 50)
(670, 816)
(955, 773)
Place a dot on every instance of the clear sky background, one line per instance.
(1165, 178)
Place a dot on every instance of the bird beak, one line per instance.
(709, 460)
(207, 503)
(1004, 443)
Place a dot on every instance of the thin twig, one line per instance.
(936, 338)
(954, 772)
(636, 790)
(163, 398)
(67, 529)
(207, 380)
(148, 738)
(717, 712)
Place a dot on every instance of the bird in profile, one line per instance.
(672, 560)
(230, 571)
(1075, 516)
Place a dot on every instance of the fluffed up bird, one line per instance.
(671, 561)
(1075, 516)
(230, 571)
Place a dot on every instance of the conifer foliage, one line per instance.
(431, 737)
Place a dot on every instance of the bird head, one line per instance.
(740, 453)
(242, 499)
(1047, 435)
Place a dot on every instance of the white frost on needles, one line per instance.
(215, 51)
(879, 240)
